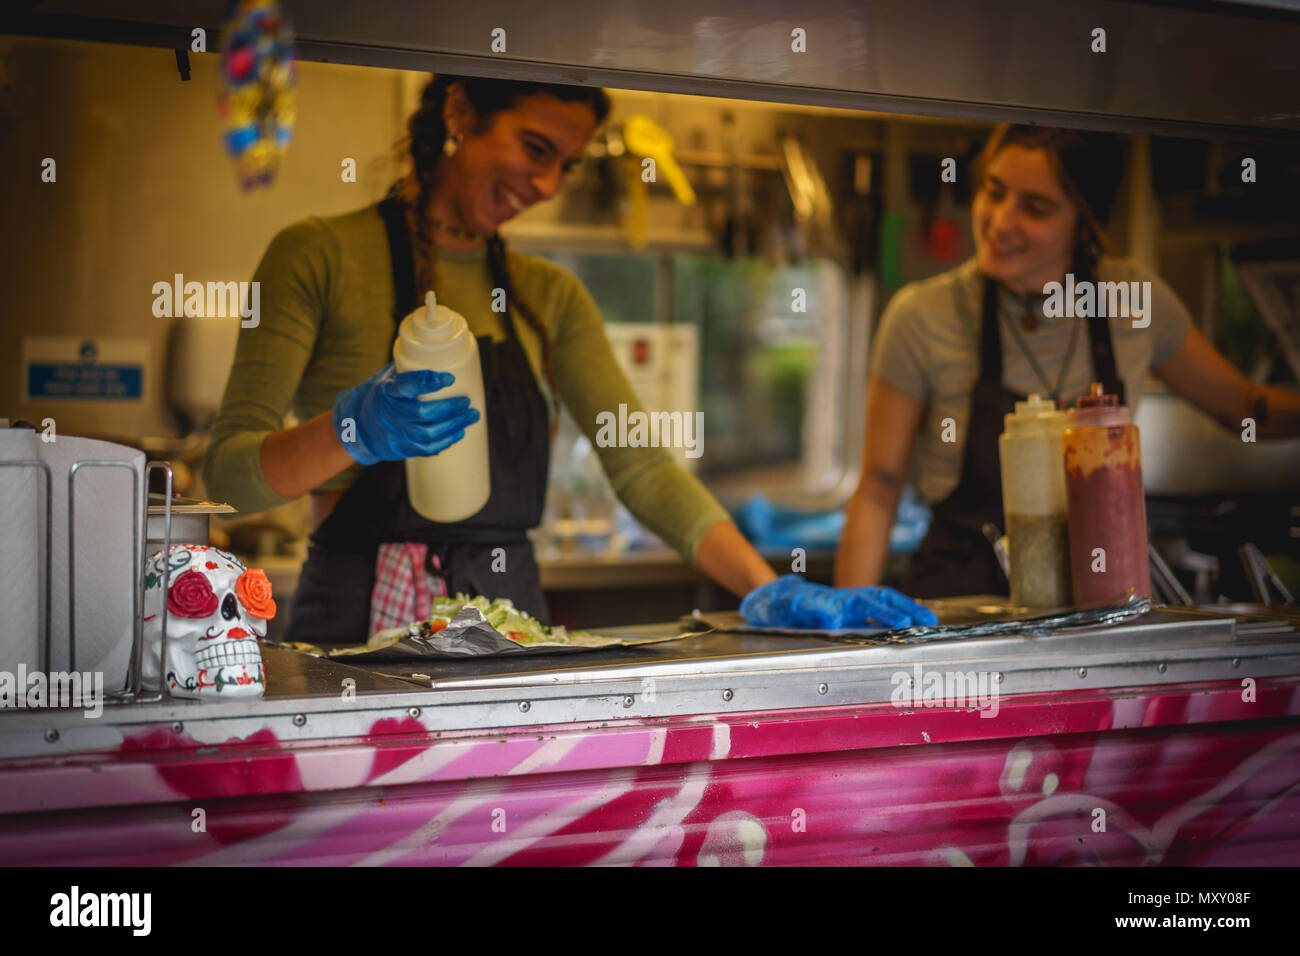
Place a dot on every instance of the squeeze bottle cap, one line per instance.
(1035, 404)
(1098, 410)
(1097, 398)
(434, 323)
(432, 336)
(1035, 414)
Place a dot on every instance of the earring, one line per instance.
(450, 145)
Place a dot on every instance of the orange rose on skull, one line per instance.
(254, 592)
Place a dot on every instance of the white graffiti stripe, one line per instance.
(667, 816)
(548, 754)
(340, 768)
(474, 797)
(302, 829)
(1016, 766)
(1118, 820)
(953, 856)
(1125, 714)
(666, 850)
(721, 741)
(1167, 827)
(426, 763)
(1156, 841)
(619, 782)
(658, 737)
(1272, 805)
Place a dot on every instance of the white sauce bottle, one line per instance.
(455, 484)
(1034, 502)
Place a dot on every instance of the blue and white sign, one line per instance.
(68, 368)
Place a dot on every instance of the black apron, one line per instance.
(955, 557)
(332, 602)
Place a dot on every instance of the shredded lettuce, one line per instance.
(501, 613)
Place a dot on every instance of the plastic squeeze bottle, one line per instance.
(455, 484)
(1108, 512)
(1033, 498)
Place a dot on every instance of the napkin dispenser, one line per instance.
(88, 581)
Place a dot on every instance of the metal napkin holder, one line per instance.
(133, 691)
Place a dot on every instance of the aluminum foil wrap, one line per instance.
(468, 634)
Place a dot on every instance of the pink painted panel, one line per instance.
(1180, 775)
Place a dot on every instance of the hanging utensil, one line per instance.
(1166, 582)
(807, 186)
(646, 137)
(1259, 574)
(637, 231)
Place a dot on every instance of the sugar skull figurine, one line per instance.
(216, 611)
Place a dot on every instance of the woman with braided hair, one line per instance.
(955, 352)
(332, 291)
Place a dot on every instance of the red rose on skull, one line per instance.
(191, 596)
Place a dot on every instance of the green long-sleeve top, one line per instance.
(326, 304)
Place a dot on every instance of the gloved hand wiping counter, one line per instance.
(792, 602)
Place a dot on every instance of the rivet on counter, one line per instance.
(524, 705)
(627, 701)
(727, 694)
(299, 719)
(1083, 672)
(414, 712)
(1162, 668)
(822, 688)
(51, 735)
(177, 727)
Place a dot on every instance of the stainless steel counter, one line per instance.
(589, 590)
(310, 698)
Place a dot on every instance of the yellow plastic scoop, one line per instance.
(646, 137)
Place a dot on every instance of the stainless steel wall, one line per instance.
(1164, 68)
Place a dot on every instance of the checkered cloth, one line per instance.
(404, 587)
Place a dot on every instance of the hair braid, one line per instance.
(1087, 250)
(426, 133)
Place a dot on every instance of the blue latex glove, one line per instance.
(383, 419)
(790, 601)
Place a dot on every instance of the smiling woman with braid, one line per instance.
(332, 288)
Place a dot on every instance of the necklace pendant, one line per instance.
(454, 230)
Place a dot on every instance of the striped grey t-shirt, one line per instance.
(928, 348)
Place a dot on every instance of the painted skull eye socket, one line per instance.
(229, 609)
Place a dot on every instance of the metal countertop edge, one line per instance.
(498, 705)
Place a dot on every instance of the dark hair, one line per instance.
(1089, 166)
(426, 134)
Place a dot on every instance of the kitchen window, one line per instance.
(768, 365)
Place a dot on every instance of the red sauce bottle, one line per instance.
(1108, 512)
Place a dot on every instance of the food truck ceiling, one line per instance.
(1226, 67)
